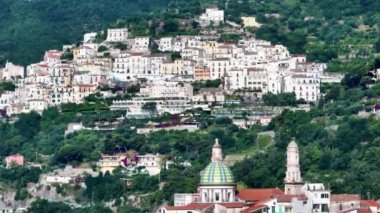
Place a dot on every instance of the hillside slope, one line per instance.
(27, 28)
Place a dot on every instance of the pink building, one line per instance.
(16, 159)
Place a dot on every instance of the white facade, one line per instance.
(141, 44)
(134, 106)
(117, 35)
(11, 71)
(218, 68)
(152, 163)
(87, 37)
(253, 79)
(318, 197)
(58, 179)
(304, 86)
(212, 16)
(166, 44)
(184, 199)
(129, 66)
(166, 89)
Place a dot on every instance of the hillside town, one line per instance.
(252, 65)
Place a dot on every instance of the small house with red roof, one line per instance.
(16, 159)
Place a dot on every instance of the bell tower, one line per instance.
(293, 180)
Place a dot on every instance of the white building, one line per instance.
(167, 89)
(130, 66)
(151, 163)
(117, 35)
(212, 16)
(88, 37)
(182, 199)
(304, 86)
(141, 44)
(247, 78)
(134, 107)
(318, 197)
(52, 56)
(218, 67)
(166, 44)
(11, 71)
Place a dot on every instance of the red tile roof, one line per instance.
(201, 206)
(369, 203)
(288, 198)
(233, 205)
(344, 197)
(357, 210)
(191, 206)
(364, 210)
(258, 194)
(255, 208)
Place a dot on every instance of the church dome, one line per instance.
(216, 173)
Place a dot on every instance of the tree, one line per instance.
(44, 206)
(282, 99)
(68, 153)
(120, 46)
(102, 48)
(7, 86)
(377, 45)
(28, 124)
(151, 107)
(171, 26)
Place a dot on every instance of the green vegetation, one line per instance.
(7, 86)
(44, 206)
(197, 85)
(283, 99)
(50, 24)
(320, 29)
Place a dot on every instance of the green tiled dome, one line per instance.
(217, 173)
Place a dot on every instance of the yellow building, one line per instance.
(250, 22)
(171, 68)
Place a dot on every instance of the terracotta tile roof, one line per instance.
(357, 210)
(233, 205)
(258, 194)
(191, 206)
(364, 210)
(201, 206)
(255, 208)
(369, 203)
(288, 198)
(344, 197)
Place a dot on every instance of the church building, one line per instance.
(217, 192)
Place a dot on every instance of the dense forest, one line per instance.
(28, 28)
(347, 28)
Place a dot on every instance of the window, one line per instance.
(316, 206)
(325, 208)
(216, 196)
(324, 195)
